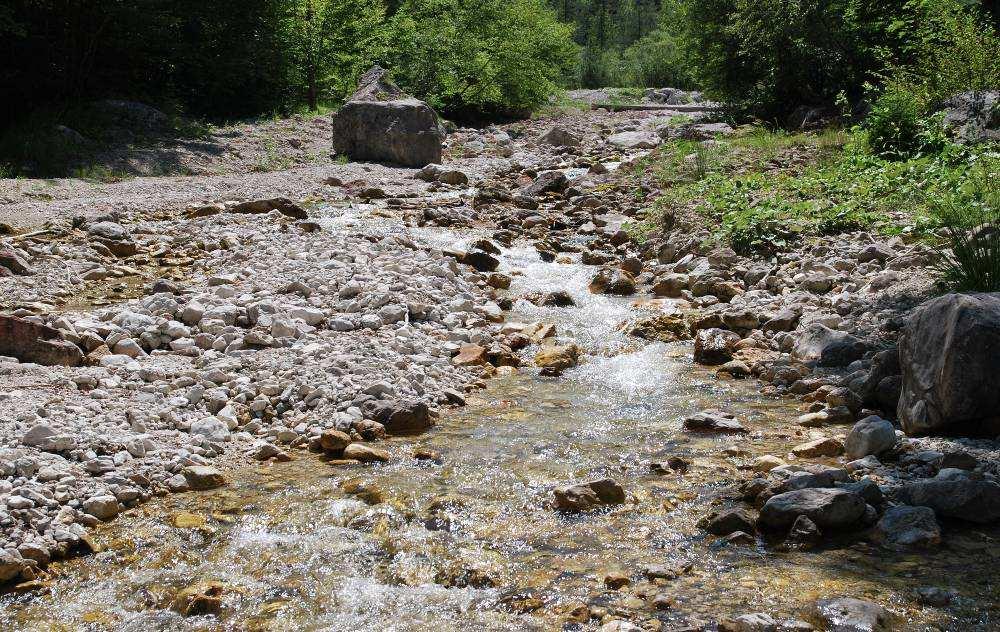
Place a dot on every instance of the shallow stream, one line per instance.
(471, 543)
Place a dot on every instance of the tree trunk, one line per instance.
(311, 94)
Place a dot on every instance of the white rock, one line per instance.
(212, 428)
(102, 507)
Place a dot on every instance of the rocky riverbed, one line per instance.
(657, 433)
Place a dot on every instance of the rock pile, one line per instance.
(268, 345)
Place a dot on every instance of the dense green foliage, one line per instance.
(956, 51)
(221, 57)
(229, 58)
(628, 43)
(480, 57)
(234, 58)
(970, 216)
(476, 59)
(768, 57)
(331, 42)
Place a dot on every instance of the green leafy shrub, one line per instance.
(657, 60)
(331, 43)
(768, 57)
(896, 123)
(971, 221)
(480, 58)
(955, 51)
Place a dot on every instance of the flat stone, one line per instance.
(203, 477)
(365, 453)
(828, 508)
(713, 421)
(827, 446)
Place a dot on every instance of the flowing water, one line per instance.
(471, 542)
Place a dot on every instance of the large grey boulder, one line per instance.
(974, 116)
(828, 508)
(383, 124)
(964, 499)
(819, 345)
(949, 354)
(905, 527)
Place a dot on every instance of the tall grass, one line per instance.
(971, 221)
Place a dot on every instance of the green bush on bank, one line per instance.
(761, 208)
(956, 52)
(970, 217)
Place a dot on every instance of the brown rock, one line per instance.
(203, 477)
(31, 342)
(554, 359)
(470, 355)
(587, 496)
(200, 599)
(671, 285)
(334, 440)
(365, 453)
(13, 261)
(282, 205)
(827, 446)
(616, 580)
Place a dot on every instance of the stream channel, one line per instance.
(472, 543)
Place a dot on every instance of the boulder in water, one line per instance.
(964, 499)
(587, 496)
(828, 508)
